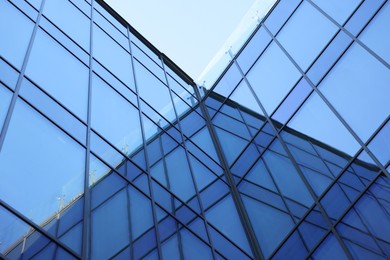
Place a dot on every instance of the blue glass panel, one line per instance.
(8, 75)
(317, 121)
(5, 99)
(204, 141)
(110, 18)
(78, 28)
(360, 18)
(229, 81)
(34, 243)
(140, 212)
(351, 82)
(265, 78)
(225, 218)
(306, 34)
(47, 253)
(287, 178)
(60, 163)
(254, 48)
(191, 123)
(259, 175)
(59, 73)
(338, 10)
(73, 238)
(335, 49)
(193, 248)
(170, 248)
(232, 125)
(12, 231)
(213, 193)
(270, 225)
(144, 244)
(111, 30)
(202, 175)
(63, 255)
(376, 34)
(153, 91)
(292, 102)
(318, 181)
(293, 248)
(110, 227)
(51, 109)
(280, 14)
(112, 56)
(71, 216)
(245, 161)
(15, 38)
(105, 188)
(329, 249)
(380, 146)
(117, 120)
(231, 144)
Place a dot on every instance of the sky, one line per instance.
(190, 33)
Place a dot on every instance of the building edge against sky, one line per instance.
(287, 155)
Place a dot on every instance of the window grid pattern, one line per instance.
(170, 174)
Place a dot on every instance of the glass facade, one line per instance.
(108, 150)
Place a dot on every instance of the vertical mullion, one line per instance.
(158, 242)
(86, 246)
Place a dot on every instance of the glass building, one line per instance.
(108, 150)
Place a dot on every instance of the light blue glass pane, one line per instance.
(270, 224)
(8, 75)
(115, 118)
(338, 10)
(32, 182)
(287, 178)
(259, 175)
(59, 73)
(316, 120)
(358, 87)
(193, 248)
(112, 56)
(377, 36)
(15, 31)
(265, 77)
(202, 175)
(255, 46)
(110, 227)
(153, 91)
(70, 20)
(5, 99)
(204, 141)
(179, 174)
(12, 230)
(380, 146)
(244, 97)
(306, 34)
(225, 218)
(329, 249)
(231, 144)
(140, 212)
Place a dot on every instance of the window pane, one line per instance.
(78, 27)
(112, 56)
(358, 87)
(317, 121)
(32, 182)
(59, 73)
(114, 117)
(306, 34)
(338, 10)
(265, 77)
(15, 38)
(377, 36)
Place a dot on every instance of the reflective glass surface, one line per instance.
(15, 38)
(306, 34)
(264, 77)
(59, 73)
